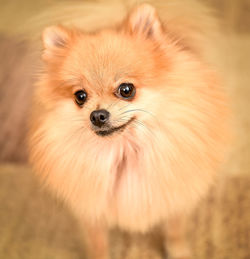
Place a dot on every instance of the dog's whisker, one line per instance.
(139, 123)
(139, 110)
(124, 107)
(112, 105)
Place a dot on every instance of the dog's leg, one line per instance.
(97, 241)
(176, 243)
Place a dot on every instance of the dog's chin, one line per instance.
(110, 130)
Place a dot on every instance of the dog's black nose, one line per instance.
(99, 117)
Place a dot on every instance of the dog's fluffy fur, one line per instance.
(166, 159)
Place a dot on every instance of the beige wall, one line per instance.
(235, 13)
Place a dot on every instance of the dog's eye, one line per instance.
(126, 91)
(80, 97)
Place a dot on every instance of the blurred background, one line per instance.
(33, 224)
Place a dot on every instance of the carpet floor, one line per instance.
(35, 225)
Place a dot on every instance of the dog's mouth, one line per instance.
(111, 130)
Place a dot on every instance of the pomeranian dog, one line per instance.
(129, 122)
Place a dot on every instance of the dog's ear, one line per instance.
(144, 22)
(56, 40)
